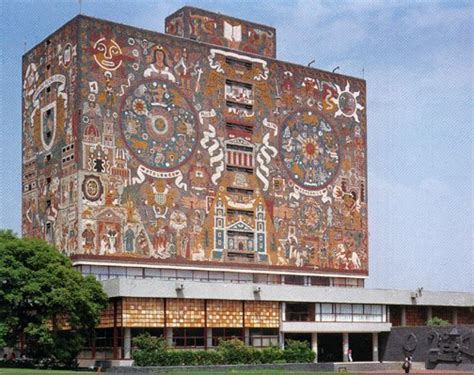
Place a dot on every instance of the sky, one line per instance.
(417, 59)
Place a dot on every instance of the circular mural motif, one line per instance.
(311, 216)
(158, 124)
(92, 188)
(309, 150)
(347, 103)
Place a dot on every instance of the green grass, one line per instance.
(250, 372)
(21, 371)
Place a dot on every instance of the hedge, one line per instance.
(153, 351)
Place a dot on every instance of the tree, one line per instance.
(44, 302)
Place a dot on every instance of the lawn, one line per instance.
(21, 371)
(248, 372)
(13, 371)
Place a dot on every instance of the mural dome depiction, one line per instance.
(158, 125)
(309, 150)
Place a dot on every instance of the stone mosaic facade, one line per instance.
(139, 145)
(222, 30)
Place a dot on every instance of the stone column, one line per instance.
(127, 343)
(283, 311)
(375, 346)
(247, 336)
(455, 316)
(169, 336)
(314, 345)
(429, 313)
(345, 346)
(404, 317)
(209, 337)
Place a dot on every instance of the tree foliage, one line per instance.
(41, 294)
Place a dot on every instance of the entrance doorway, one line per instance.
(330, 347)
(361, 345)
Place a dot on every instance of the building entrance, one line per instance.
(330, 347)
(361, 345)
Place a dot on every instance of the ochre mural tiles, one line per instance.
(187, 152)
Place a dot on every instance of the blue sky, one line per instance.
(417, 58)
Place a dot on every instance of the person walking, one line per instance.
(407, 364)
(349, 354)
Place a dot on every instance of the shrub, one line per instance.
(235, 352)
(435, 321)
(272, 355)
(208, 357)
(153, 351)
(297, 352)
(150, 350)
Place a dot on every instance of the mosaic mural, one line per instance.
(187, 152)
(49, 180)
(222, 30)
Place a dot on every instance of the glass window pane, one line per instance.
(326, 308)
(358, 309)
(134, 271)
(346, 309)
(245, 277)
(201, 275)
(168, 274)
(216, 276)
(99, 270)
(184, 274)
(231, 276)
(152, 272)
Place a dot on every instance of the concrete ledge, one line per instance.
(154, 288)
(210, 369)
(337, 366)
(326, 327)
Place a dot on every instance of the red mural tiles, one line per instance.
(165, 148)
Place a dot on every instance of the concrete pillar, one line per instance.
(455, 316)
(283, 311)
(314, 345)
(375, 346)
(127, 343)
(281, 340)
(209, 337)
(247, 336)
(404, 317)
(169, 336)
(429, 313)
(345, 346)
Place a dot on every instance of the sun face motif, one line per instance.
(310, 148)
(107, 54)
(347, 102)
(139, 107)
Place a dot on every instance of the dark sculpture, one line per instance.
(448, 348)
